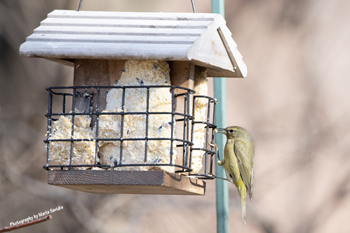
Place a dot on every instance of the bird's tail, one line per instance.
(243, 194)
(244, 211)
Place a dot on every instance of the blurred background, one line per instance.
(295, 102)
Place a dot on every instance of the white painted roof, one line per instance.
(203, 39)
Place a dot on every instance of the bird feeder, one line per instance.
(137, 118)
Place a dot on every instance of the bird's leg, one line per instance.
(218, 177)
(220, 162)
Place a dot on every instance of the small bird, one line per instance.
(238, 161)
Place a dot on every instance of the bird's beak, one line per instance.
(218, 130)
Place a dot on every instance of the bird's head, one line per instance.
(233, 132)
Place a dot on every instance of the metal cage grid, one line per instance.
(209, 136)
(92, 96)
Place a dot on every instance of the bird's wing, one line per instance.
(244, 163)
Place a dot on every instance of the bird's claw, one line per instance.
(213, 145)
(211, 174)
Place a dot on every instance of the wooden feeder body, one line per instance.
(97, 45)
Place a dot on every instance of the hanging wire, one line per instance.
(193, 6)
(80, 4)
(192, 1)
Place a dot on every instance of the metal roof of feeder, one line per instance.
(200, 38)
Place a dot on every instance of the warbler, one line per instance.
(238, 161)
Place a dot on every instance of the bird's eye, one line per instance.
(231, 130)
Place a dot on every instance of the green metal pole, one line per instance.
(218, 6)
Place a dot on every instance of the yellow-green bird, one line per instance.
(238, 161)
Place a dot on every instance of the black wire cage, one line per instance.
(76, 131)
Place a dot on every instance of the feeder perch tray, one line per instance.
(127, 182)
